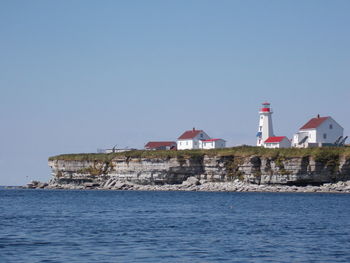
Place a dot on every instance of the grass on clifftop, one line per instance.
(242, 151)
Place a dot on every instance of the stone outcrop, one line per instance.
(193, 184)
(195, 172)
(37, 185)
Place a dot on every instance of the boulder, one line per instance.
(91, 185)
(191, 181)
(119, 185)
(42, 185)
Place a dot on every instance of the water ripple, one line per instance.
(107, 226)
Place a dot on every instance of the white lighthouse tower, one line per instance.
(265, 129)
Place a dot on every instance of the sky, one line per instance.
(76, 76)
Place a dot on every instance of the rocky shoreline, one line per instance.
(194, 184)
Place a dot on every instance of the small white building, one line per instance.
(198, 139)
(277, 142)
(161, 145)
(212, 144)
(114, 150)
(190, 139)
(317, 132)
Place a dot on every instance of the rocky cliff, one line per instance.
(283, 169)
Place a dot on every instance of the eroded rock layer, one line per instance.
(174, 170)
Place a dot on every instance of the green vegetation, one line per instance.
(232, 165)
(329, 159)
(329, 155)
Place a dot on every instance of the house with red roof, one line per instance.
(212, 144)
(198, 139)
(277, 142)
(161, 145)
(317, 132)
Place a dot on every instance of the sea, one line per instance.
(136, 226)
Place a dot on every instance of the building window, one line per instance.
(260, 128)
(325, 136)
(330, 126)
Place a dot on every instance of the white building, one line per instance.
(265, 135)
(161, 145)
(212, 144)
(114, 150)
(277, 142)
(198, 139)
(265, 129)
(319, 131)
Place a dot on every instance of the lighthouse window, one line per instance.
(260, 128)
(330, 126)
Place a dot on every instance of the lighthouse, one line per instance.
(265, 129)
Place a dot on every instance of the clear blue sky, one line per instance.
(80, 75)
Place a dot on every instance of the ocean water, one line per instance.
(123, 226)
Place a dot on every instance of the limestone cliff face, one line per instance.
(152, 171)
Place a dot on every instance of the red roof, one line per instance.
(211, 140)
(314, 123)
(159, 144)
(275, 139)
(189, 134)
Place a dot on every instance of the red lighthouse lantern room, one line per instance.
(265, 107)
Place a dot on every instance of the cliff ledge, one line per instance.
(249, 165)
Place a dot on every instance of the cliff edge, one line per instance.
(249, 165)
